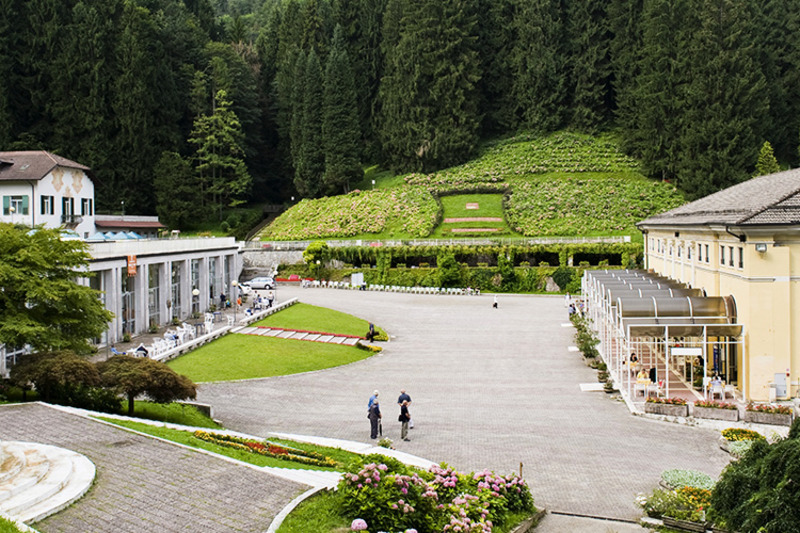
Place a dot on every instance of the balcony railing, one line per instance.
(71, 219)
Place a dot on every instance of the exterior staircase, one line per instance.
(37, 480)
(295, 334)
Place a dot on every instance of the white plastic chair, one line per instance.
(716, 389)
(231, 321)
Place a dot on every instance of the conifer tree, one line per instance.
(766, 164)
(538, 64)
(341, 134)
(625, 24)
(428, 95)
(495, 44)
(590, 63)
(219, 156)
(310, 164)
(725, 103)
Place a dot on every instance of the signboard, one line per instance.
(131, 265)
(686, 352)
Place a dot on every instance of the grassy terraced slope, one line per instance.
(563, 184)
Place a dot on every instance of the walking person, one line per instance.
(403, 419)
(374, 419)
(405, 398)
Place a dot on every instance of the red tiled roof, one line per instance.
(128, 224)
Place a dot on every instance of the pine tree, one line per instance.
(725, 103)
(311, 161)
(538, 64)
(428, 95)
(219, 156)
(657, 93)
(590, 63)
(177, 194)
(766, 164)
(625, 23)
(341, 134)
(495, 42)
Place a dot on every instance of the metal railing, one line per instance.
(338, 243)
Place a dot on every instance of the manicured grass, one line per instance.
(489, 205)
(238, 356)
(312, 318)
(321, 513)
(342, 457)
(7, 526)
(174, 413)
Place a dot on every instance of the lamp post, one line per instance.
(195, 294)
(373, 185)
(235, 298)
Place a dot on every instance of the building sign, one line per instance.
(131, 265)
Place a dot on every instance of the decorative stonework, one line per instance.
(77, 181)
(58, 178)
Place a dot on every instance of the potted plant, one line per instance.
(715, 410)
(667, 406)
(764, 413)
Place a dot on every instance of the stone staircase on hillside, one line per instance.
(37, 480)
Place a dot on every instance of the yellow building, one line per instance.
(743, 242)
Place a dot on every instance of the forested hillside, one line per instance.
(186, 106)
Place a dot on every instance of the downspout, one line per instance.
(742, 238)
(33, 206)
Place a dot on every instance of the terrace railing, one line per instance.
(494, 241)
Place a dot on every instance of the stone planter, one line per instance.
(683, 524)
(666, 409)
(731, 415)
(768, 418)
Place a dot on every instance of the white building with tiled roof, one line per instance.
(38, 187)
(743, 242)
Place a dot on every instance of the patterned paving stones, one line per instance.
(491, 389)
(144, 485)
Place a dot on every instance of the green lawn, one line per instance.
(489, 205)
(342, 457)
(237, 356)
(312, 318)
(7, 526)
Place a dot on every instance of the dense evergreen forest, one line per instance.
(182, 106)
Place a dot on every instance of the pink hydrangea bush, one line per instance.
(393, 497)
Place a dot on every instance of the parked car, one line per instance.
(260, 283)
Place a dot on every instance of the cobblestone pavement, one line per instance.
(493, 389)
(145, 485)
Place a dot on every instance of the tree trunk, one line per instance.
(130, 404)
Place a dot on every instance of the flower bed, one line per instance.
(666, 406)
(389, 496)
(266, 448)
(739, 434)
(677, 479)
(716, 410)
(683, 508)
(777, 415)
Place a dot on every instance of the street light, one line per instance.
(236, 298)
(196, 293)
(373, 184)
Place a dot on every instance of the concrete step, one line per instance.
(350, 341)
(51, 479)
(13, 462)
(285, 334)
(299, 335)
(312, 337)
(249, 330)
(337, 340)
(324, 338)
(273, 332)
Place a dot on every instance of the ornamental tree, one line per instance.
(41, 304)
(133, 376)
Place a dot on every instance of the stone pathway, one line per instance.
(145, 485)
(493, 389)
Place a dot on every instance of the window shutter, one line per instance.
(6, 204)
(25, 205)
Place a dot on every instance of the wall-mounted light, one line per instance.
(761, 247)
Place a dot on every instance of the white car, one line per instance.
(260, 283)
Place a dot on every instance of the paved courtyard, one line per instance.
(491, 389)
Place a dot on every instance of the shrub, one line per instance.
(563, 276)
(676, 479)
(759, 491)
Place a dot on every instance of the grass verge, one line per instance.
(312, 318)
(7, 526)
(174, 413)
(341, 457)
(237, 356)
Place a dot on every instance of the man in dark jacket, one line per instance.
(374, 419)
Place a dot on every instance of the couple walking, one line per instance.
(374, 415)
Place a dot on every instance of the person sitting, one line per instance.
(642, 377)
